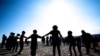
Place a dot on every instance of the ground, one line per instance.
(47, 51)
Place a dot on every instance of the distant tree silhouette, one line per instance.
(72, 43)
(55, 39)
(33, 47)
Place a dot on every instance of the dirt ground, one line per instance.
(47, 51)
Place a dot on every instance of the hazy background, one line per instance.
(75, 15)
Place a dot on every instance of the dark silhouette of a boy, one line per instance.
(10, 41)
(4, 39)
(55, 39)
(87, 40)
(72, 43)
(33, 47)
(21, 42)
(47, 40)
(43, 40)
(78, 43)
(16, 42)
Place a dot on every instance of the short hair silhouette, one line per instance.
(55, 27)
(55, 39)
(70, 32)
(33, 47)
(72, 43)
(18, 34)
(23, 32)
(35, 31)
(83, 31)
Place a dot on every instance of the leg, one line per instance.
(54, 47)
(59, 52)
(79, 49)
(74, 50)
(21, 48)
(16, 47)
(70, 50)
(87, 49)
(33, 51)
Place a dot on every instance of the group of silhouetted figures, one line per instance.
(55, 39)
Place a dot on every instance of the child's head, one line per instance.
(69, 32)
(23, 32)
(55, 27)
(34, 31)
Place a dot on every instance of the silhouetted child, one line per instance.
(86, 39)
(47, 40)
(13, 41)
(10, 41)
(50, 40)
(21, 42)
(78, 42)
(94, 44)
(4, 39)
(26, 42)
(55, 39)
(43, 40)
(64, 41)
(16, 42)
(33, 47)
(72, 43)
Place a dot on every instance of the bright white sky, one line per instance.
(74, 15)
(63, 14)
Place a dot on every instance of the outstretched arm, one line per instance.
(39, 36)
(28, 37)
(46, 34)
(25, 37)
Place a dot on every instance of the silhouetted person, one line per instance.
(78, 43)
(47, 40)
(94, 44)
(16, 42)
(64, 41)
(21, 42)
(55, 39)
(50, 40)
(26, 42)
(72, 43)
(43, 40)
(4, 39)
(86, 39)
(13, 41)
(33, 47)
(10, 41)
